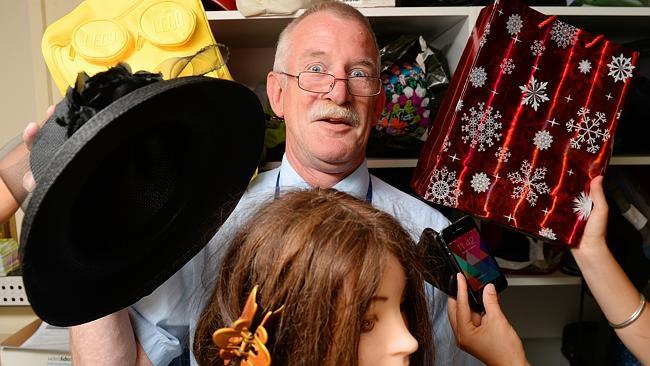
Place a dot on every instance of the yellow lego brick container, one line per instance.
(151, 35)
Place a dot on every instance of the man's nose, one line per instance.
(339, 93)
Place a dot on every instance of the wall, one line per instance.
(26, 91)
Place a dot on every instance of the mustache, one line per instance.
(329, 111)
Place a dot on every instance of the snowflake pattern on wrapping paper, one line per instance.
(480, 182)
(537, 48)
(584, 66)
(482, 126)
(534, 93)
(507, 65)
(588, 130)
(502, 154)
(443, 187)
(564, 34)
(543, 139)
(547, 233)
(582, 205)
(620, 68)
(528, 182)
(484, 36)
(478, 77)
(459, 105)
(514, 24)
(446, 144)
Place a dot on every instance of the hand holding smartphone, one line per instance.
(462, 250)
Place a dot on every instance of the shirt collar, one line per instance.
(355, 184)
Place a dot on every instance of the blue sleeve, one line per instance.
(446, 351)
(161, 320)
(160, 346)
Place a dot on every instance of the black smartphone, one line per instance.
(469, 255)
(439, 271)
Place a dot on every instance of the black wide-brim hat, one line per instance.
(134, 194)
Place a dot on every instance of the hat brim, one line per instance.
(135, 193)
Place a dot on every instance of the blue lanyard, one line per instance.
(368, 194)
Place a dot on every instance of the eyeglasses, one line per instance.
(320, 82)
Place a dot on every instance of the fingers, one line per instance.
(463, 313)
(598, 195)
(29, 134)
(29, 183)
(491, 301)
(476, 318)
(31, 130)
(596, 227)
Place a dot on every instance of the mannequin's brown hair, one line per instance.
(320, 253)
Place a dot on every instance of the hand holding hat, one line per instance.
(129, 192)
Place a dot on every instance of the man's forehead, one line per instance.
(317, 38)
(309, 54)
(323, 24)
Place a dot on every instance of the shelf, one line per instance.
(375, 163)
(252, 40)
(591, 11)
(235, 30)
(553, 279)
(630, 160)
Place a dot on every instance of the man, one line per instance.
(325, 84)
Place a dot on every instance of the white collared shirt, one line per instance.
(161, 320)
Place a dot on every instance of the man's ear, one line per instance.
(380, 104)
(275, 92)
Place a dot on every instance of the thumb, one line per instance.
(491, 301)
(597, 194)
(597, 222)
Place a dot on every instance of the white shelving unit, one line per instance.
(12, 291)
(375, 163)
(538, 306)
(552, 279)
(252, 41)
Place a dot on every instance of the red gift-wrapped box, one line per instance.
(527, 122)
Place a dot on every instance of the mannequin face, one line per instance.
(385, 338)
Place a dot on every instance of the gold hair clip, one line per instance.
(240, 342)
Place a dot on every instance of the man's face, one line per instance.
(328, 131)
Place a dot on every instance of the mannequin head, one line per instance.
(346, 274)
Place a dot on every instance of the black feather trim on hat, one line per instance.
(92, 94)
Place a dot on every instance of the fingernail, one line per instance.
(490, 289)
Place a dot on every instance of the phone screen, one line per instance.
(473, 258)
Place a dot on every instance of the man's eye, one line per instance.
(357, 73)
(315, 68)
(367, 325)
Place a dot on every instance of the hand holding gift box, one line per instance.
(527, 123)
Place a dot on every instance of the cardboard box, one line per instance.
(12, 352)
